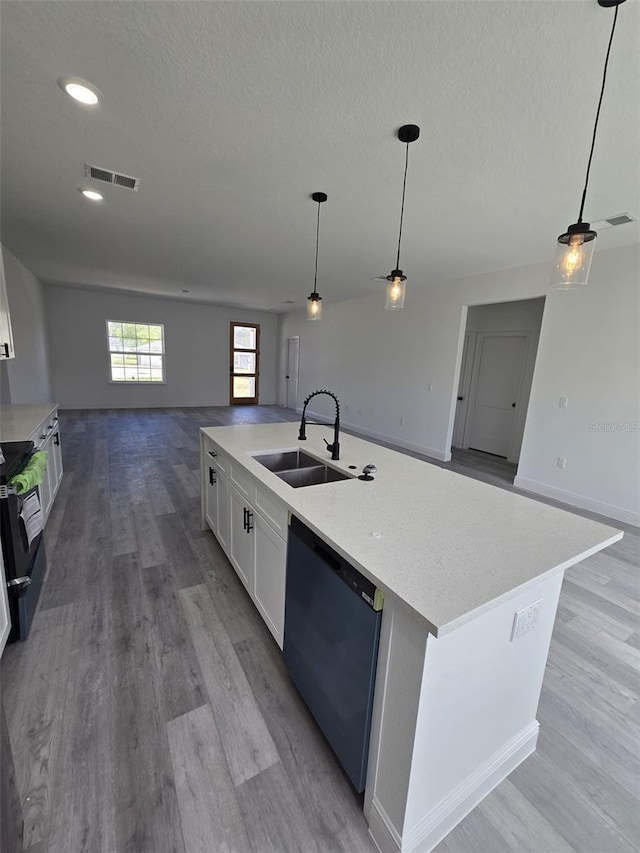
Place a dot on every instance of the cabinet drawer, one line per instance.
(272, 510)
(243, 482)
(46, 428)
(214, 454)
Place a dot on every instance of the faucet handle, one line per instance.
(370, 469)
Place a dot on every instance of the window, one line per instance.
(245, 363)
(136, 351)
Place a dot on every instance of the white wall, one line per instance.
(522, 316)
(196, 343)
(380, 363)
(26, 377)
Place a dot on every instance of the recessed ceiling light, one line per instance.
(80, 90)
(92, 194)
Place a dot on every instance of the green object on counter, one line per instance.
(32, 474)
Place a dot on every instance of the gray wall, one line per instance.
(196, 344)
(25, 378)
(388, 366)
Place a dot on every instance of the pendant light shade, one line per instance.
(575, 247)
(397, 280)
(396, 290)
(314, 300)
(573, 257)
(314, 306)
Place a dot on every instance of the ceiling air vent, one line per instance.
(110, 177)
(611, 221)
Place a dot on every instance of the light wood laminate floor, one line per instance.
(150, 710)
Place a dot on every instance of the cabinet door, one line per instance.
(241, 552)
(270, 572)
(56, 457)
(211, 496)
(45, 488)
(223, 509)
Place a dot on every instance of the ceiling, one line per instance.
(233, 113)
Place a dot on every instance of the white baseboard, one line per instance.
(608, 510)
(382, 831)
(105, 406)
(381, 436)
(439, 822)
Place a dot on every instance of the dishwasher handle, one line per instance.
(326, 557)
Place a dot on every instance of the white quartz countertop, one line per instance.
(448, 546)
(17, 423)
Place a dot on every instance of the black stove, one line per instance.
(24, 560)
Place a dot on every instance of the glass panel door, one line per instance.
(244, 364)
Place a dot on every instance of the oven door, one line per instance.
(19, 553)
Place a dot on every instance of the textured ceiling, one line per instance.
(232, 113)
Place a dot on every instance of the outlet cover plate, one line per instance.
(525, 620)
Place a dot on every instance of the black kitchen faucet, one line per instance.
(335, 447)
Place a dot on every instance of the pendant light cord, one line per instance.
(404, 189)
(595, 127)
(315, 279)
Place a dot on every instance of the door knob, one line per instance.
(460, 398)
(287, 377)
(513, 405)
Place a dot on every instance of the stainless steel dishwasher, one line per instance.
(331, 633)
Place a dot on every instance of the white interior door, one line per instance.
(496, 390)
(291, 376)
(464, 387)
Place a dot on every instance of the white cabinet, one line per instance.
(56, 456)
(6, 337)
(270, 572)
(242, 544)
(215, 491)
(223, 529)
(250, 523)
(47, 438)
(211, 495)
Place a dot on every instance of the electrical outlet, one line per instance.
(430, 386)
(525, 620)
(562, 462)
(564, 403)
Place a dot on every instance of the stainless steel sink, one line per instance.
(312, 476)
(297, 469)
(286, 460)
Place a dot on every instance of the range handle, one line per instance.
(18, 584)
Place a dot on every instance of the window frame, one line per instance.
(244, 401)
(111, 352)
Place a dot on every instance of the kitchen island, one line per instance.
(459, 675)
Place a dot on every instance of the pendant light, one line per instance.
(575, 247)
(397, 279)
(314, 300)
